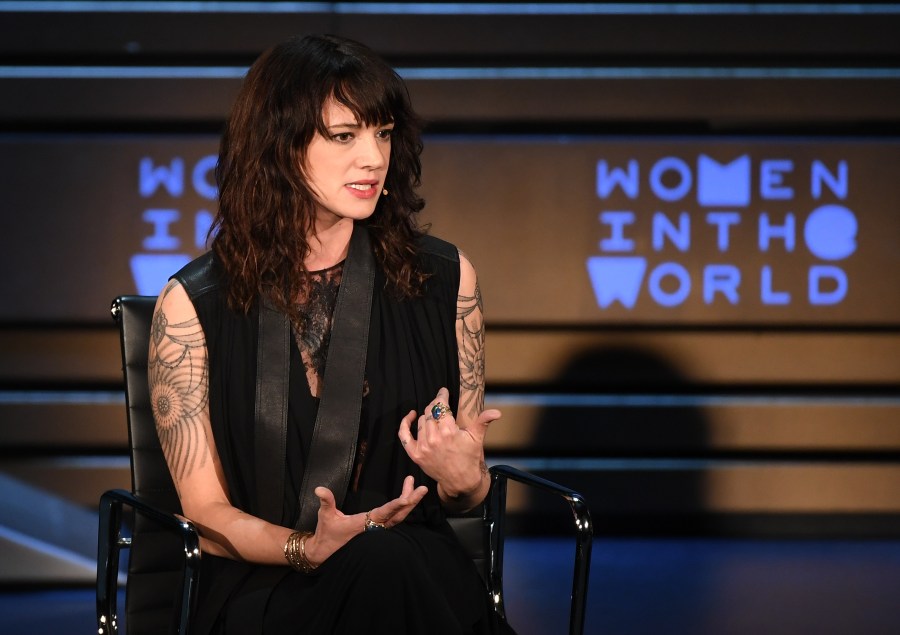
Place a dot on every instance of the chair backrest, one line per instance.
(156, 556)
(156, 559)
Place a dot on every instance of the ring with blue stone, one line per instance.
(438, 410)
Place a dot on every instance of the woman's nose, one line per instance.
(372, 152)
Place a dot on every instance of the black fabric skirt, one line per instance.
(409, 579)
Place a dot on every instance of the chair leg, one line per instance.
(495, 516)
(584, 531)
(110, 541)
(191, 578)
(108, 564)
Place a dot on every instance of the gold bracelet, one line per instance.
(295, 552)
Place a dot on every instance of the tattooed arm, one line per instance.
(471, 416)
(451, 450)
(179, 391)
(470, 342)
(179, 388)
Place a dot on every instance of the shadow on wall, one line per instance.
(623, 426)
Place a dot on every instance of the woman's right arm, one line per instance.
(179, 392)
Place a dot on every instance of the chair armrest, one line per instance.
(111, 541)
(495, 512)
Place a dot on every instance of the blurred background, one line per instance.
(686, 223)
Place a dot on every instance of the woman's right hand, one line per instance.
(334, 529)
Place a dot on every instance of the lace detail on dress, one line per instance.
(312, 330)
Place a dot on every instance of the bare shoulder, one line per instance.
(468, 277)
(174, 301)
(468, 299)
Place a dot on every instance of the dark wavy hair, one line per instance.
(266, 209)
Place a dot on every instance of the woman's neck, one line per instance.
(329, 245)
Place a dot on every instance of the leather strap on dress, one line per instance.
(333, 447)
(273, 359)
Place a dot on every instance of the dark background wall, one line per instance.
(740, 161)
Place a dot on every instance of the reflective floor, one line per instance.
(714, 587)
(638, 587)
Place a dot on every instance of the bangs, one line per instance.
(374, 101)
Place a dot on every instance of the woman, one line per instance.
(321, 139)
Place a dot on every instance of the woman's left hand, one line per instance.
(451, 454)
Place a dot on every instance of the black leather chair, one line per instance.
(164, 562)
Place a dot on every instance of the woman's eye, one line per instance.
(342, 137)
(385, 133)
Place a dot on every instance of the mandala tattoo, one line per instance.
(470, 336)
(179, 384)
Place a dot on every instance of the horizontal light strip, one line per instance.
(598, 465)
(55, 397)
(120, 463)
(652, 465)
(683, 401)
(649, 73)
(48, 549)
(458, 73)
(122, 72)
(608, 8)
(454, 8)
(74, 6)
(110, 397)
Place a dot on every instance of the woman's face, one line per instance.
(346, 170)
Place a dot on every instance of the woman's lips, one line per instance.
(363, 189)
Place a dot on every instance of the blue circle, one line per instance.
(830, 232)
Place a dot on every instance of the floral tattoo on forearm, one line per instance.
(470, 335)
(179, 382)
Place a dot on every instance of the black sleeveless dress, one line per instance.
(413, 578)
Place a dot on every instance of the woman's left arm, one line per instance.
(450, 449)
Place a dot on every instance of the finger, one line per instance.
(412, 497)
(395, 511)
(483, 421)
(409, 497)
(428, 433)
(443, 396)
(422, 429)
(400, 515)
(417, 495)
(404, 433)
(407, 489)
(326, 498)
(489, 416)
